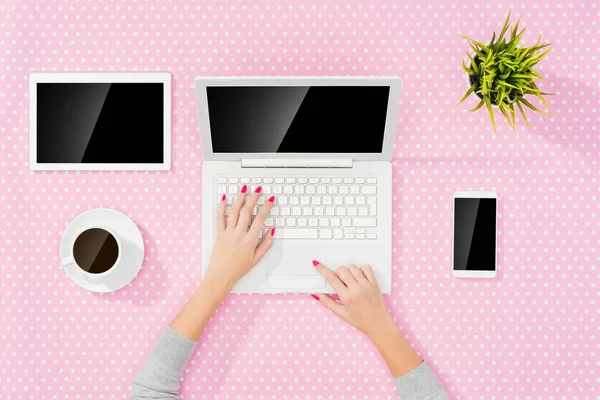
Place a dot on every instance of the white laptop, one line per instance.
(322, 146)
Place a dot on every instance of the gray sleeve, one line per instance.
(420, 384)
(159, 377)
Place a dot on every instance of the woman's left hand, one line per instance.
(238, 247)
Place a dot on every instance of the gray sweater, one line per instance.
(160, 375)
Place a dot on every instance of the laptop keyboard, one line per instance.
(329, 208)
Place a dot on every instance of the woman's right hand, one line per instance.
(362, 306)
(361, 302)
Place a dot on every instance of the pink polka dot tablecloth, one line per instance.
(530, 334)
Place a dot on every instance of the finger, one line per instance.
(368, 271)
(261, 217)
(331, 278)
(345, 276)
(246, 211)
(221, 213)
(331, 305)
(264, 246)
(357, 273)
(234, 215)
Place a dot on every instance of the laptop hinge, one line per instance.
(296, 163)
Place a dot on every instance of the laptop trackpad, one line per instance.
(290, 267)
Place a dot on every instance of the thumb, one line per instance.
(264, 245)
(332, 305)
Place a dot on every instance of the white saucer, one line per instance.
(132, 250)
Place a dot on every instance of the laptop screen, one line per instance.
(297, 119)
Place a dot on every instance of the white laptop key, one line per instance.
(296, 233)
(369, 189)
(325, 234)
(364, 222)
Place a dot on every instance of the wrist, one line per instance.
(215, 288)
(220, 284)
(385, 331)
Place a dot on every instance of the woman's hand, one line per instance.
(362, 306)
(361, 302)
(237, 248)
(236, 251)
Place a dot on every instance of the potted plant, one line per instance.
(502, 73)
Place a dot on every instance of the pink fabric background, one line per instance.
(532, 333)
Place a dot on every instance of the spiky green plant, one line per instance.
(502, 73)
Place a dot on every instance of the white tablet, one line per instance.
(100, 121)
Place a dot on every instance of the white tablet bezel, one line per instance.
(476, 195)
(395, 84)
(99, 77)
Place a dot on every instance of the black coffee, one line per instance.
(96, 250)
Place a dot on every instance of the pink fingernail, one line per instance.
(223, 197)
(272, 231)
(315, 296)
(316, 263)
(244, 188)
(258, 189)
(271, 199)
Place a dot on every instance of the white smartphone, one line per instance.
(474, 241)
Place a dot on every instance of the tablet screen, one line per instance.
(103, 123)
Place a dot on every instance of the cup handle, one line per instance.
(67, 261)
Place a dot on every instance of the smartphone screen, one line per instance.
(475, 234)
